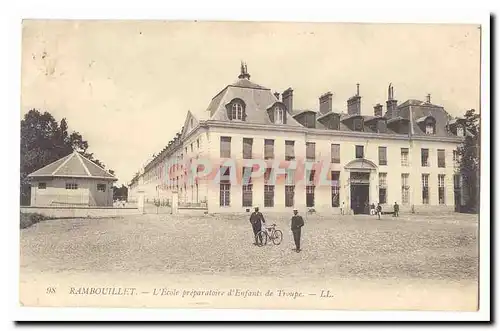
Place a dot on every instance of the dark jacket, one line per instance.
(379, 208)
(257, 217)
(297, 222)
(396, 207)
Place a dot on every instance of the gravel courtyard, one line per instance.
(409, 263)
(352, 247)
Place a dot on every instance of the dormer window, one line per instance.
(430, 128)
(460, 131)
(237, 111)
(279, 115)
(358, 124)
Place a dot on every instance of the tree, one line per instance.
(43, 141)
(120, 193)
(469, 153)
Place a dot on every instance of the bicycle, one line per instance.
(270, 232)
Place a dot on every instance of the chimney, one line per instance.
(392, 104)
(354, 103)
(287, 99)
(377, 110)
(277, 95)
(429, 98)
(325, 103)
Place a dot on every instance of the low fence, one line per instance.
(77, 212)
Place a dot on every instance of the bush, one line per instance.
(28, 219)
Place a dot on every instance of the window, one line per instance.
(247, 195)
(289, 195)
(198, 143)
(237, 111)
(441, 190)
(71, 186)
(310, 151)
(191, 147)
(225, 174)
(429, 128)
(267, 176)
(335, 189)
(185, 150)
(101, 187)
(279, 114)
(310, 196)
(425, 157)
(335, 153)
(289, 176)
(289, 150)
(460, 131)
(268, 149)
(268, 195)
(334, 123)
(247, 148)
(441, 158)
(358, 124)
(225, 195)
(42, 186)
(360, 152)
(425, 189)
(382, 187)
(310, 177)
(405, 189)
(405, 152)
(225, 147)
(382, 155)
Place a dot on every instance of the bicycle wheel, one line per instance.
(277, 237)
(261, 238)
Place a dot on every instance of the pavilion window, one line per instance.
(101, 187)
(42, 186)
(289, 195)
(405, 157)
(71, 186)
(360, 152)
(425, 157)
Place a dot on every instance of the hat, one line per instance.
(295, 209)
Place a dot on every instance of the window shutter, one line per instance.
(285, 113)
(229, 112)
(271, 115)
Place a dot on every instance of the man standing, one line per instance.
(297, 224)
(379, 210)
(257, 219)
(396, 209)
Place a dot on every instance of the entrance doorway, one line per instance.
(360, 192)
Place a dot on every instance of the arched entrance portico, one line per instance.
(361, 186)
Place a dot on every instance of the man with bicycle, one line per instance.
(257, 220)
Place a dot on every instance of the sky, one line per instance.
(126, 86)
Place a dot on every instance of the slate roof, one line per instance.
(257, 100)
(73, 165)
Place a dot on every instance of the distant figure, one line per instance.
(342, 208)
(257, 219)
(372, 209)
(379, 210)
(396, 209)
(296, 226)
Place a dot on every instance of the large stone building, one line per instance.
(72, 181)
(407, 154)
